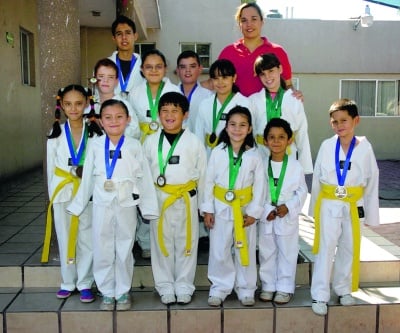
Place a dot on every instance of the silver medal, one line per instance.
(161, 181)
(72, 171)
(340, 192)
(124, 94)
(229, 196)
(154, 125)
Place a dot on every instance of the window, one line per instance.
(27, 58)
(203, 50)
(375, 98)
(142, 48)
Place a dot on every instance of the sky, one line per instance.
(329, 9)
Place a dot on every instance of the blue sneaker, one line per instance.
(86, 296)
(62, 293)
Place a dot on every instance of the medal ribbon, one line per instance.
(123, 82)
(189, 97)
(154, 106)
(341, 177)
(275, 191)
(161, 163)
(217, 116)
(273, 106)
(110, 167)
(77, 159)
(234, 167)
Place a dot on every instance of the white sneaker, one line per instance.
(124, 302)
(168, 299)
(214, 301)
(266, 296)
(247, 301)
(184, 299)
(320, 308)
(282, 298)
(347, 300)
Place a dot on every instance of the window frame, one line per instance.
(195, 49)
(27, 57)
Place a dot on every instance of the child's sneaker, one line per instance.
(86, 296)
(247, 301)
(282, 298)
(320, 308)
(168, 299)
(107, 304)
(184, 299)
(266, 296)
(347, 300)
(124, 302)
(214, 301)
(62, 293)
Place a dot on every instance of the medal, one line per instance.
(340, 192)
(72, 171)
(239, 244)
(124, 94)
(213, 137)
(229, 196)
(153, 125)
(93, 80)
(79, 170)
(71, 261)
(161, 181)
(109, 185)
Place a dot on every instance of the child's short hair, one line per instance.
(121, 19)
(174, 98)
(111, 102)
(106, 63)
(278, 122)
(344, 104)
(266, 61)
(188, 54)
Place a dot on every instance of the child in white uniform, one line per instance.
(106, 75)
(178, 161)
(279, 225)
(275, 101)
(66, 149)
(210, 120)
(234, 196)
(117, 174)
(344, 190)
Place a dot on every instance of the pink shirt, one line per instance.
(243, 59)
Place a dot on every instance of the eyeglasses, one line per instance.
(155, 68)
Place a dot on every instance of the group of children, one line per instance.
(172, 153)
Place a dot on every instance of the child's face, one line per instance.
(237, 128)
(154, 69)
(277, 141)
(343, 124)
(271, 78)
(74, 104)
(106, 79)
(188, 70)
(171, 118)
(223, 84)
(114, 120)
(124, 37)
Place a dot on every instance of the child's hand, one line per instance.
(281, 210)
(248, 220)
(271, 216)
(209, 220)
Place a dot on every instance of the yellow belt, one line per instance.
(73, 231)
(176, 192)
(211, 144)
(354, 194)
(260, 141)
(242, 197)
(146, 130)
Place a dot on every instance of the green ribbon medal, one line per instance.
(154, 105)
(273, 106)
(275, 188)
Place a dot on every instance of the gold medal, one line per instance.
(340, 192)
(161, 180)
(154, 125)
(239, 244)
(229, 196)
(109, 185)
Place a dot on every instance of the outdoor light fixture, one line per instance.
(366, 19)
